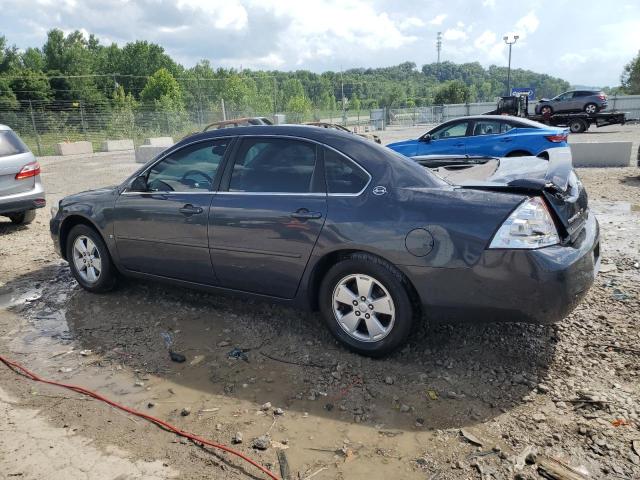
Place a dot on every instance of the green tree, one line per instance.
(8, 100)
(298, 107)
(30, 85)
(630, 78)
(454, 91)
(162, 84)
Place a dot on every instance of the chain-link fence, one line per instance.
(43, 124)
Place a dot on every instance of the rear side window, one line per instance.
(490, 127)
(10, 144)
(274, 165)
(343, 176)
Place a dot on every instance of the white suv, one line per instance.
(21, 191)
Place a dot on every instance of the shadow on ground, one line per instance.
(448, 376)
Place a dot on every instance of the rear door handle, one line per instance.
(189, 209)
(304, 214)
(459, 145)
(506, 140)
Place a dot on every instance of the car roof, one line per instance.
(4, 127)
(526, 121)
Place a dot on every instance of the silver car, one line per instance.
(21, 190)
(588, 101)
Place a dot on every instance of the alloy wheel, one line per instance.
(86, 258)
(590, 109)
(363, 308)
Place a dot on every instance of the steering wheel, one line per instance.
(192, 182)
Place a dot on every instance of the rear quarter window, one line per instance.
(10, 144)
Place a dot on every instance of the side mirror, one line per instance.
(426, 138)
(139, 184)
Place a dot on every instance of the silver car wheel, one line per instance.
(86, 259)
(363, 308)
(591, 109)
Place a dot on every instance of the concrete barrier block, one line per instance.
(159, 141)
(73, 148)
(604, 154)
(117, 145)
(144, 153)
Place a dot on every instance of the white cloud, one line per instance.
(454, 34)
(226, 14)
(411, 22)
(485, 40)
(527, 24)
(438, 19)
(489, 3)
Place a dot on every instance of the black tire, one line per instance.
(23, 218)
(591, 108)
(519, 153)
(107, 278)
(578, 126)
(392, 280)
(546, 110)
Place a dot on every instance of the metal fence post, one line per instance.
(84, 128)
(35, 130)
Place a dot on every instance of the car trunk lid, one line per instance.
(554, 179)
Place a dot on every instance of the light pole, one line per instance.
(510, 43)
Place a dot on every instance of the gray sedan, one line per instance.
(326, 220)
(21, 191)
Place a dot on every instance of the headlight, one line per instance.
(529, 226)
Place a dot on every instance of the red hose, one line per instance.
(20, 369)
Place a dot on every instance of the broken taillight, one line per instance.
(29, 170)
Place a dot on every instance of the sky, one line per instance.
(585, 42)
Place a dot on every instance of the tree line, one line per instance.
(141, 75)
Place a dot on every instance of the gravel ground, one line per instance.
(461, 401)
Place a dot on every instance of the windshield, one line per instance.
(10, 144)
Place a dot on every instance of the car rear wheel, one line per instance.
(89, 260)
(591, 108)
(23, 218)
(366, 305)
(546, 110)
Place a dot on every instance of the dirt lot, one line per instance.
(522, 394)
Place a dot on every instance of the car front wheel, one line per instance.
(546, 110)
(23, 218)
(366, 305)
(89, 260)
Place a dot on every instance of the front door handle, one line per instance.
(459, 145)
(506, 140)
(304, 214)
(189, 209)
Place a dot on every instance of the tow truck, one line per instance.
(518, 106)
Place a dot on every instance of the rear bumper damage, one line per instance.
(536, 286)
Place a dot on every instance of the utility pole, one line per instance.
(439, 45)
(510, 43)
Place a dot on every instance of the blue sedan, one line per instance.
(486, 135)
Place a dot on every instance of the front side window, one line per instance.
(274, 165)
(190, 169)
(10, 144)
(490, 127)
(343, 176)
(450, 131)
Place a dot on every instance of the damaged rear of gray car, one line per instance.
(327, 220)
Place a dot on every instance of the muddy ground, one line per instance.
(524, 395)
